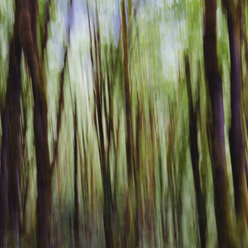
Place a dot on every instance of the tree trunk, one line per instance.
(200, 202)
(15, 150)
(11, 145)
(221, 198)
(236, 138)
(129, 126)
(76, 214)
(44, 175)
(100, 110)
(28, 34)
(128, 103)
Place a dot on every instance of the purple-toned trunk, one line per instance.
(235, 136)
(217, 142)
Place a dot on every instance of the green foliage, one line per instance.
(161, 200)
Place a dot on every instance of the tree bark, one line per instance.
(235, 136)
(28, 35)
(220, 180)
(200, 202)
(128, 103)
(11, 145)
(129, 127)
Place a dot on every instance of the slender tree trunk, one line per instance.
(28, 34)
(221, 198)
(200, 203)
(4, 179)
(105, 168)
(11, 145)
(128, 104)
(129, 126)
(236, 138)
(76, 213)
(136, 173)
(100, 110)
(170, 176)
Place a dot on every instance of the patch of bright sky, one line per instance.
(109, 21)
(6, 24)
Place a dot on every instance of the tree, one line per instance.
(217, 142)
(235, 136)
(194, 152)
(11, 143)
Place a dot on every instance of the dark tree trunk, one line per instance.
(129, 126)
(43, 207)
(15, 150)
(217, 143)
(200, 202)
(4, 179)
(128, 103)
(236, 138)
(11, 145)
(28, 34)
